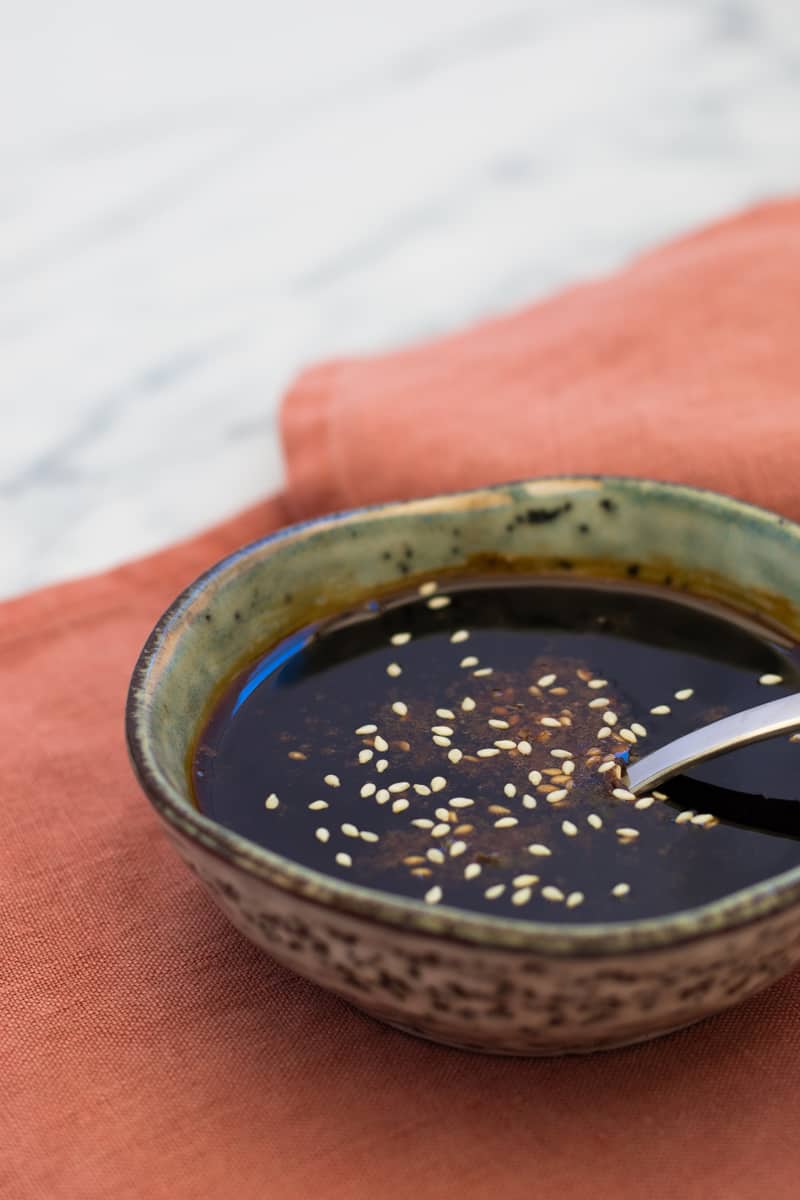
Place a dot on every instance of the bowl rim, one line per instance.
(739, 908)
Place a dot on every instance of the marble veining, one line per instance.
(197, 200)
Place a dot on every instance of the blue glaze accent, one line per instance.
(270, 665)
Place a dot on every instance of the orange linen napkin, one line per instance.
(147, 1052)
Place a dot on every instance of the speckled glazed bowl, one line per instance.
(470, 980)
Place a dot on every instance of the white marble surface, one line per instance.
(199, 198)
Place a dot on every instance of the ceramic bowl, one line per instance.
(486, 983)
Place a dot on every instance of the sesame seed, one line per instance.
(521, 881)
(441, 830)
(552, 893)
(506, 744)
(506, 823)
(645, 802)
(535, 777)
(394, 669)
(438, 783)
(569, 828)
(628, 736)
(271, 801)
(455, 755)
(381, 765)
(422, 823)
(383, 795)
(509, 789)
(400, 639)
(499, 810)
(364, 755)
(461, 802)
(427, 588)
(595, 821)
(604, 732)
(600, 702)
(380, 743)
(433, 895)
(494, 891)
(298, 755)
(322, 834)
(770, 680)
(627, 832)
(460, 635)
(470, 661)
(438, 602)
(457, 848)
(400, 805)
(422, 789)
(472, 870)
(546, 681)
(468, 704)
(435, 855)
(539, 851)
(559, 691)
(349, 830)
(606, 766)
(521, 896)
(483, 671)
(524, 747)
(528, 801)
(558, 795)
(638, 729)
(363, 730)
(610, 718)
(550, 723)
(488, 752)
(400, 707)
(661, 710)
(497, 723)
(443, 814)
(684, 816)
(620, 889)
(442, 730)
(574, 899)
(661, 795)
(333, 781)
(622, 794)
(439, 740)
(597, 683)
(561, 754)
(684, 694)
(367, 836)
(446, 714)
(704, 819)
(344, 859)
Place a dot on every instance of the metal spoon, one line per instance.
(742, 729)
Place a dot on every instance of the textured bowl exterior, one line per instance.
(479, 982)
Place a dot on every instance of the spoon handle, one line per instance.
(740, 729)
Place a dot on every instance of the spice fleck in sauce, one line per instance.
(466, 747)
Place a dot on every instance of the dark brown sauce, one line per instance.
(290, 720)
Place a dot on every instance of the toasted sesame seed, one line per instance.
(561, 754)
(438, 783)
(463, 830)
(427, 588)
(363, 730)
(422, 789)
(461, 802)
(455, 755)
(626, 832)
(460, 635)
(558, 795)
(472, 870)
(494, 891)
(344, 859)
(574, 899)
(400, 639)
(400, 805)
(349, 830)
(684, 816)
(433, 895)
(661, 795)
(770, 680)
(621, 793)
(422, 871)
(435, 855)
(468, 704)
(704, 819)
(600, 702)
(645, 802)
(422, 823)
(439, 740)
(604, 732)
(539, 851)
(558, 691)
(528, 801)
(684, 694)
(597, 683)
(364, 755)
(368, 836)
(606, 766)
(322, 834)
(569, 828)
(394, 669)
(497, 723)
(383, 795)
(661, 710)
(546, 681)
(271, 801)
(638, 729)
(628, 736)
(550, 723)
(470, 661)
(524, 747)
(506, 823)
(521, 896)
(552, 893)
(595, 821)
(610, 718)
(457, 848)
(510, 790)
(499, 810)
(381, 765)
(438, 602)
(483, 671)
(400, 707)
(413, 860)
(535, 777)
(488, 752)
(620, 889)
(298, 755)
(506, 744)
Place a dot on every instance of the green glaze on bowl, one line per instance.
(473, 980)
